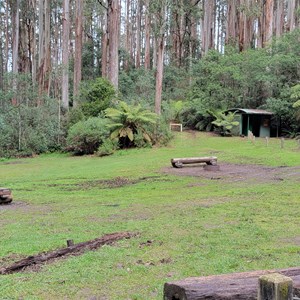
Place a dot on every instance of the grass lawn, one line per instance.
(187, 225)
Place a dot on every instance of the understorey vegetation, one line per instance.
(104, 119)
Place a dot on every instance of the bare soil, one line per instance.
(238, 172)
(116, 182)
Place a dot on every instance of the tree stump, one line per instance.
(5, 196)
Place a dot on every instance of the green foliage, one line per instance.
(161, 133)
(254, 78)
(224, 122)
(137, 85)
(172, 110)
(126, 121)
(96, 95)
(176, 82)
(295, 95)
(195, 115)
(75, 115)
(26, 129)
(107, 147)
(85, 137)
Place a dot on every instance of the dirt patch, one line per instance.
(116, 182)
(238, 172)
(14, 205)
(291, 241)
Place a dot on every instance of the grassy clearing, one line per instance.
(194, 226)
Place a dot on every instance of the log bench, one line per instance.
(5, 196)
(235, 286)
(179, 162)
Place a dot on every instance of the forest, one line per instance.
(93, 76)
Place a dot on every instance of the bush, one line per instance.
(127, 122)
(107, 147)
(30, 129)
(96, 96)
(160, 133)
(85, 137)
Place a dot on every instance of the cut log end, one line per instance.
(5, 196)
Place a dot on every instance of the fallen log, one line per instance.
(5, 196)
(235, 286)
(179, 162)
(71, 250)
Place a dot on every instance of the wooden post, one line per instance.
(282, 143)
(267, 141)
(70, 243)
(275, 287)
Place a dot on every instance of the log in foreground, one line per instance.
(74, 249)
(5, 196)
(179, 162)
(236, 286)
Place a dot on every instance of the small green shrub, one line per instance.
(74, 116)
(140, 141)
(161, 133)
(85, 137)
(108, 147)
(96, 96)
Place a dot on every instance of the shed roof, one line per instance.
(251, 111)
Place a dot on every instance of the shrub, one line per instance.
(96, 96)
(30, 129)
(107, 147)
(85, 137)
(126, 121)
(161, 133)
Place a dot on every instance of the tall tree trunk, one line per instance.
(65, 54)
(6, 37)
(279, 23)
(78, 49)
(290, 15)
(33, 41)
(15, 45)
(41, 32)
(159, 73)
(246, 24)
(147, 36)
(138, 35)
(231, 34)
(269, 12)
(160, 58)
(208, 25)
(44, 70)
(128, 35)
(104, 48)
(113, 34)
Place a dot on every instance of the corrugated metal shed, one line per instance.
(258, 121)
(251, 111)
